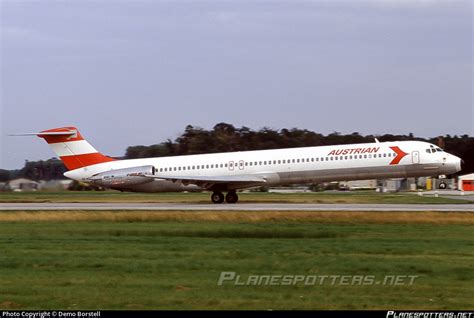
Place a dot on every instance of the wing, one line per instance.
(212, 182)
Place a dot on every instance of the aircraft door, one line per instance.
(415, 157)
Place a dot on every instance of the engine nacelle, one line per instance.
(122, 178)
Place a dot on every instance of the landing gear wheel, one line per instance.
(442, 185)
(231, 197)
(217, 197)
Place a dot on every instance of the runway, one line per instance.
(234, 207)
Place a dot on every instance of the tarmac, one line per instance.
(234, 207)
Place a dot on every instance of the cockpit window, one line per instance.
(434, 149)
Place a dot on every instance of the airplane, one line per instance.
(232, 171)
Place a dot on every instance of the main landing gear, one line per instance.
(218, 197)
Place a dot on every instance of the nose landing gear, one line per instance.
(442, 182)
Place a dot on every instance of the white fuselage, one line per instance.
(399, 159)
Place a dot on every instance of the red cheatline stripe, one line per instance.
(59, 138)
(79, 161)
(400, 154)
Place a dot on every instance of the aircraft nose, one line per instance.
(458, 162)
(454, 162)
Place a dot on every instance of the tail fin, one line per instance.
(74, 151)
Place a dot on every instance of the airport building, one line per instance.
(22, 184)
(466, 182)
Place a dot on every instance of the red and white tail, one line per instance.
(72, 148)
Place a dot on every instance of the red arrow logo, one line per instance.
(400, 154)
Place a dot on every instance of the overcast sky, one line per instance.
(137, 72)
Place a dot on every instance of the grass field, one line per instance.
(251, 197)
(172, 260)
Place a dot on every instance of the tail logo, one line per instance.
(72, 148)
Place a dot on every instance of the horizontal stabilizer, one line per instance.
(52, 133)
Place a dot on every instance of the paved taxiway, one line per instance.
(234, 207)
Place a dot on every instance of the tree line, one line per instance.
(225, 137)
